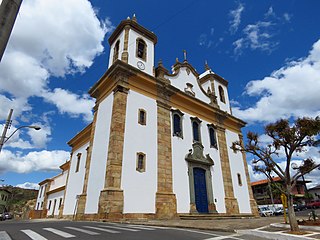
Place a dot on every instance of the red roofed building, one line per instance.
(262, 191)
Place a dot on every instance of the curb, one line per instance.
(184, 226)
(310, 228)
(272, 235)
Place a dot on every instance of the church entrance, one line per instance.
(200, 188)
(200, 180)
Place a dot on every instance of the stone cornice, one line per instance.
(45, 181)
(213, 76)
(56, 190)
(65, 166)
(135, 26)
(162, 91)
(178, 65)
(81, 138)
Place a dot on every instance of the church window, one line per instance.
(221, 95)
(141, 162)
(78, 162)
(239, 179)
(38, 206)
(141, 49)
(49, 205)
(116, 51)
(142, 117)
(177, 123)
(196, 129)
(60, 202)
(212, 136)
(41, 189)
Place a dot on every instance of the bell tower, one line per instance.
(133, 44)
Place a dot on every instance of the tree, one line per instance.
(288, 141)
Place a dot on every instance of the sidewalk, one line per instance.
(270, 227)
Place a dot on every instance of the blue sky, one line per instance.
(269, 51)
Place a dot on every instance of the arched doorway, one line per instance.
(200, 190)
(200, 182)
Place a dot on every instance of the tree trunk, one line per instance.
(292, 215)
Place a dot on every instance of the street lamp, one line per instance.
(3, 138)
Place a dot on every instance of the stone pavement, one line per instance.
(267, 227)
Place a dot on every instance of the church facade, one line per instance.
(159, 143)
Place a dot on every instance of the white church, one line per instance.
(158, 146)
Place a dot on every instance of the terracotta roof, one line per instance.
(275, 179)
(265, 181)
(316, 187)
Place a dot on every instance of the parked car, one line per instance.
(265, 212)
(313, 204)
(2, 217)
(278, 211)
(299, 207)
(7, 215)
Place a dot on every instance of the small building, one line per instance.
(4, 198)
(264, 193)
(315, 192)
(51, 194)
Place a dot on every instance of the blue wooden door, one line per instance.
(200, 190)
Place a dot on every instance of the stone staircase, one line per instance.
(213, 216)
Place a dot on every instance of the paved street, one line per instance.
(54, 230)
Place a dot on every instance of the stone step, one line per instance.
(213, 216)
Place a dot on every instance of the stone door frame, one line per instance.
(196, 159)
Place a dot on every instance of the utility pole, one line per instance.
(8, 12)
(6, 127)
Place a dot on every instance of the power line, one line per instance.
(174, 15)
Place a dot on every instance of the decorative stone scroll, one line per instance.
(196, 156)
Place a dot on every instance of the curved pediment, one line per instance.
(195, 155)
(186, 79)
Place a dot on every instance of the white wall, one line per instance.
(52, 197)
(140, 187)
(99, 155)
(59, 181)
(75, 181)
(149, 63)
(223, 106)
(237, 166)
(40, 197)
(132, 60)
(180, 147)
(121, 38)
(183, 78)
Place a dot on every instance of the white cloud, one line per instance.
(291, 91)
(33, 161)
(49, 39)
(287, 17)
(70, 103)
(270, 13)
(28, 185)
(256, 37)
(236, 18)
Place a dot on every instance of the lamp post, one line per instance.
(4, 139)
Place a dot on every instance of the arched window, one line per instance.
(177, 123)
(212, 136)
(196, 129)
(78, 162)
(221, 94)
(141, 162)
(116, 51)
(141, 49)
(239, 179)
(142, 117)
